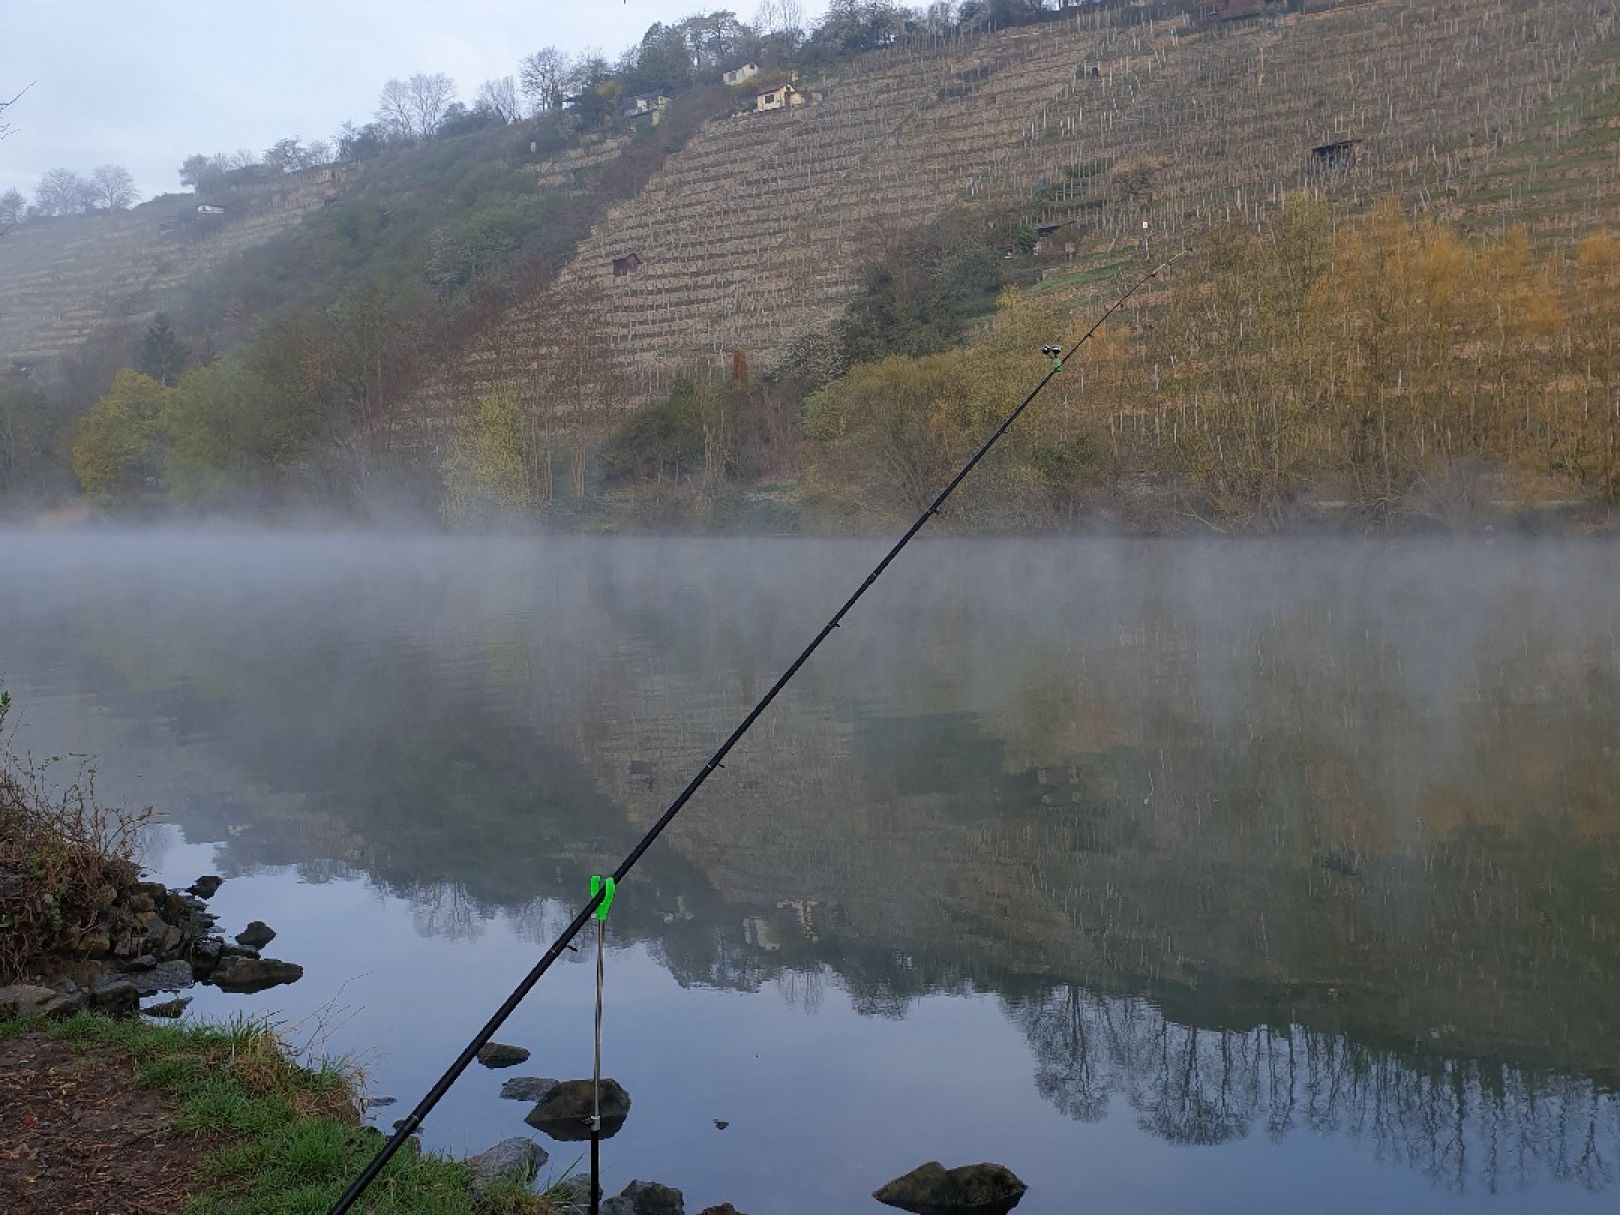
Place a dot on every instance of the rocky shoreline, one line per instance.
(146, 939)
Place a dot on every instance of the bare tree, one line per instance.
(544, 77)
(394, 110)
(940, 17)
(782, 18)
(411, 109)
(12, 208)
(500, 96)
(64, 192)
(113, 188)
(6, 128)
(290, 155)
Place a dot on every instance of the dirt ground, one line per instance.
(77, 1135)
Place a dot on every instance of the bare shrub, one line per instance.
(64, 858)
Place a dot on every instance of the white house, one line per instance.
(782, 97)
(740, 74)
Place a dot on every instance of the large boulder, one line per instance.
(254, 974)
(972, 1189)
(25, 1000)
(517, 1159)
(650, 1198)
(206, 886)
(498, 1054)
(116, 998)
(565, 1112)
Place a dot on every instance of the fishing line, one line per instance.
(601, 892)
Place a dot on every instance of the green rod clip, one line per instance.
(1057, 364)
(597, 881)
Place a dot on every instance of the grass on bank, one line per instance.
(289, 1137)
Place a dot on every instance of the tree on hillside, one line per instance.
(940, 17)
(25, 433)
(291, 155)
(162, 355)
(853, 26)
(410, 110)
(500, 97)
(780, 19)
(662, 60)
(361, 143)
(13, 206)
(64, 192)
(996, 14)
(201, 171)
(115, 455)
(113, 188)
(595, 89)
(713, 39)
(544, 77)
(459, 120)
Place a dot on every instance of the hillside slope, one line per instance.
(63, 279)
(760, 228)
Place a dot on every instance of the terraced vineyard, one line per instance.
(63, 279)
(759, 229)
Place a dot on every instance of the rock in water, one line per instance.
(496, 1054)
(565, 1112)
(517, 1159)
(206, 887)
(169, 1009)
(972, 1189)
(650, 1198)
(527, 1088)
(256, 935)
(725, 1208)
(254, 974)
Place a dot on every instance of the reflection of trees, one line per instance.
(1461, 1122)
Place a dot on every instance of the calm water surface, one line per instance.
(1260, 876)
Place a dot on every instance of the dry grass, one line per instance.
(64, 857)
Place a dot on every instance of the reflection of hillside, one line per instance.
(1464, 1123)
(1363, 790)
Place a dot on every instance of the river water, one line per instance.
(1261, 876)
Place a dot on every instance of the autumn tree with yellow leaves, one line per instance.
(1389, 366)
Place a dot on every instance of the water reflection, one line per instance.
(1288, 835)
(1464, 1123)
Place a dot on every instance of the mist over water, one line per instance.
(1257, 875)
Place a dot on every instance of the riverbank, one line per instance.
(99, 1115)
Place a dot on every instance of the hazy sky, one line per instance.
(144, 83)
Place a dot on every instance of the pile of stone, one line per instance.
(149, 940)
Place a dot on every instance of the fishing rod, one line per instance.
(601, 891)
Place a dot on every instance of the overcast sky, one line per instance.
(145, 83)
